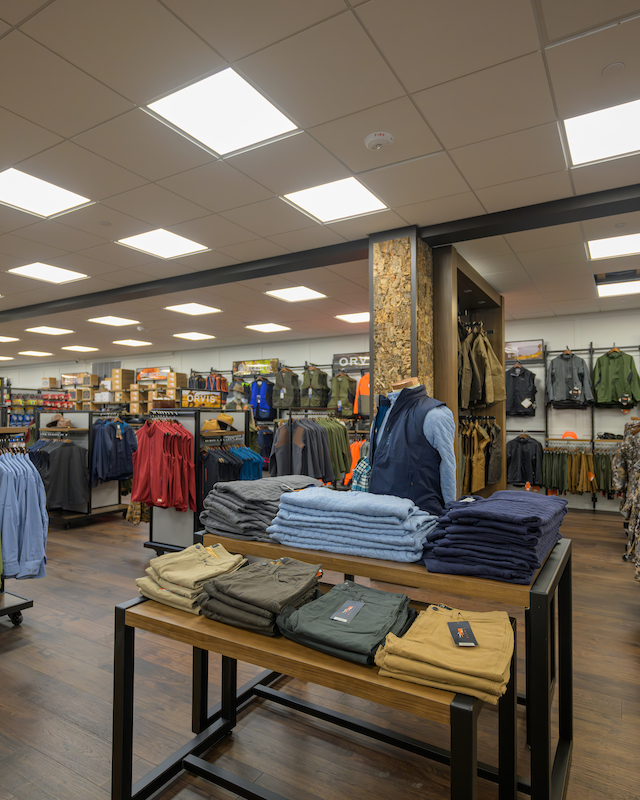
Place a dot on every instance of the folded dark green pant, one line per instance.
(357, 640)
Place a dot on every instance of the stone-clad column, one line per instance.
(401, 305)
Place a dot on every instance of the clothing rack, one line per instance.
(473, 417)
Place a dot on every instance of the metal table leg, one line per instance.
(507, 733)
(464, 747)
(199, 690)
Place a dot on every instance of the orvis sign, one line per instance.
(350, 362)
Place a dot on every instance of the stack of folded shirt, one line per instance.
(505, 537)
(245, 509)
(254, 596)
(360, 524)
(176, 579)
(349, 621)
(427, 653)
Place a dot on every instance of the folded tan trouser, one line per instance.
(194, 565)
(149, 588)
(230, 564)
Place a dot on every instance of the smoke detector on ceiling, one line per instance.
(378, 140)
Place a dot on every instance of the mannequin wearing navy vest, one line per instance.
(411, 455)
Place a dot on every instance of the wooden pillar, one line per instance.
(401, 305)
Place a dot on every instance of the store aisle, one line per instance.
(55, 698)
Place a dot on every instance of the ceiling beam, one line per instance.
(266, 267)
(556, 212)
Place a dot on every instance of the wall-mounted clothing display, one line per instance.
(521, 392)
(24, 521)
(262, 399)
(615, 380)
(574, 472)
(343, 394)
(317, 447)
(479, 455)
(524, 461)
(569, 382)
(227, 464)
(64, 468)
(626, 479)
(163, 466)
(315, 389)
(286, 392)
(362, 405)
(114, 443)
(480, 373)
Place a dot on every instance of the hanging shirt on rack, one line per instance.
(524, 461)
(114, 443)
(64, 468)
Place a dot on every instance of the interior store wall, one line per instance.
(577, 331)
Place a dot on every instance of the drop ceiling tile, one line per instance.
(142, 144)
(224, 25)
(617, 225)
(534, 313)
(20, 138)
(12, 245)
(444, 209)
(51, 92)
(80, 171)
(81, 263)
(307, 238)
(156, 206)
(61, 236)
(218, 186)
(11, 219)
(295, 163)
(510, 281)
(254, 250)
(156, 53)
(541, 238)
(576, 68)
(483, 248)
(361, 227)
(617, 303)
(126, 277)
(552, 256)
(91, 219)
(581, 306)
(164, 269)
(118, 255)
(213, 230)
(415, 181)
(563, 18)
(504, 263)
(568, 289)
(456, 43)
(345, 137)
(297, 72)
(351, 270)
(269, 217)
(26, 298)
(200, 262)
(539, 189)
(315, 278)
(622, 171)
(525, 154)
(575, 270)
(473, 108)
(14, 11)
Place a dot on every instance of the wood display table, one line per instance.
(549, 767)
(284, 657)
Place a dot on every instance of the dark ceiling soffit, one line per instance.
(557, 212)
(319, 257)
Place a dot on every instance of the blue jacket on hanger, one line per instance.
(262, 399)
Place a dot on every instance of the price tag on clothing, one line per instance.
(339, 405)
(347, 611)
(282, 393)
(310, 393)
(462, 634)
(526, 402)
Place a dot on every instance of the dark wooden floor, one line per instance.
(55, 690)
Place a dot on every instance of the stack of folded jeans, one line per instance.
(245, 509)
(427, 653)
(254, 596)
(177, 579)
(354, 637)
(360, 524)
(505, 537)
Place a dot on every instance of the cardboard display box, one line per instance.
(121, 374)
(138, 408)
(138, 396)
(121, 397)
(49, 383)
(85, 394)
(103, 397)
(90, 407)
(162, 404)
(177, 380)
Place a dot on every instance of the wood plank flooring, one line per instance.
(56, 684)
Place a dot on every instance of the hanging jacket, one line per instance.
(521, 392)
(286, 392)
(343, 394)
(216, 383)
(362, 405)
(568, 382)
(494, 467)
(524, 461)
(315, 391)
(262, 399)
(615, 381)
(196, 382)
(404, 463)
(494, 375)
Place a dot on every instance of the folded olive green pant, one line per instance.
(149, 588)
(194, 565)
(428, 655)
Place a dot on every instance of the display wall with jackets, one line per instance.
(521, 391)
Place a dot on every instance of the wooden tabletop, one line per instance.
(414, 575)
(290, 658)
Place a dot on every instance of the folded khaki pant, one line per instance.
(149, 588)
(193, 566)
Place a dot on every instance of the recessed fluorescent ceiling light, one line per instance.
(36, 196)
(79, 348)
(45, 272)
(115, 321)
(337, 200)
(603, 134)
(224, 112)
(6, 358)
(8, 339)
(194, 336)
(616, 289)
(33, 353)
(615, 246)
(268, 327)
(296, 294)
(362, 317)
(132, 343)
(49, 331)
(163, 244)
(195, 309)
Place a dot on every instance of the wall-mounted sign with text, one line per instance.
(256, 366)
(195, 398)
(350, 362)
(152, 374)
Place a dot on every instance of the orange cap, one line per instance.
(569, 435)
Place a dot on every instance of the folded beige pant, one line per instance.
(427, 654)
(149, 588)
(199, 587)
(195, 565)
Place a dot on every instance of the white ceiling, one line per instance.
(474, 101)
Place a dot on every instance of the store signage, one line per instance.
(259, 366)
(152, 374)
(195, 398)
(530, 350)
(350, 362)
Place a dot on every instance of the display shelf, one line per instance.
(17, 431)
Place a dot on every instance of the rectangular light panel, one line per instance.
(618, 289)
(8, 339)
(37, 353)
(48, 330)
(194, 309)
(268, 327)
(336, 200)
(80, 348)
(45, 272)
(163, 244)
(194, 336)
(296, 294)
(6, 358)
(132, 343)
(115, 321)
(36, 196)
(224, 112)
(606, 133)
(361, 317)
(614, 247)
